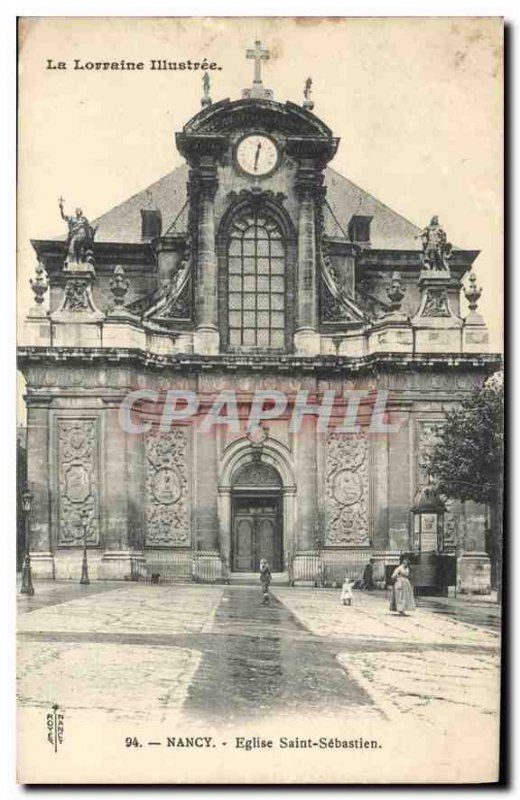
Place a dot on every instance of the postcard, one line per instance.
(260, 433)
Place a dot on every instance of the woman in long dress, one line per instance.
(402, 599)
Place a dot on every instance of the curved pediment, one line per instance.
(227, 116)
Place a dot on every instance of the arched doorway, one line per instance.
(256, 518)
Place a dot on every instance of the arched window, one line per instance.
(256, 282)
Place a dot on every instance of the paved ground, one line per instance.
(477, 610)
(429, 665)
(148, 661)
(215, 652)
(261, 660)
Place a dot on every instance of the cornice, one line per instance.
(377, 362)
(460, 261)
(52, 253)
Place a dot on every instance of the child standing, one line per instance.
(265, 580)
(346, 592)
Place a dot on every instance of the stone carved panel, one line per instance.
(451, 527)
(429, 432)
(346, 490)
(167, 508)
(427, 436)
(436, 303)
(78, 481)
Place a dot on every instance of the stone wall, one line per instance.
(161, 492)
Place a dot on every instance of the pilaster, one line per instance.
(308, 186)
(307, 471)
(203, 186)
(399, 472)
(40, 540)
(205, 489)
(116, 562)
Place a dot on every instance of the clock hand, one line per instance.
(257, 154)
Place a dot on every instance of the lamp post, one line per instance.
(27, 586)
(84, 564)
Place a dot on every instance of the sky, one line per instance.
(416, 103)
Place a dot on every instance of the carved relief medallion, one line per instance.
(77, 483)
(347, 487)
(166, 486)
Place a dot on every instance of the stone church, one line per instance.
(254, 267)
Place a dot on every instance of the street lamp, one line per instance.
(27, 586)
(84, 564)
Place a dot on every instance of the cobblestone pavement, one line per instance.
(52, 593)
(427, 665)
(150, 652)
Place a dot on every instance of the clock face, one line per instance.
(257, 155)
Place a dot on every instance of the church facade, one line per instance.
(249, 359)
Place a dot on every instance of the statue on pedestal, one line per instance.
(206, 99)
(436, 248)
(80, 241)
(307, 102)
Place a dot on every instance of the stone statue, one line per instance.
(436, 248)
(307, 102)
(80, 241)
(206, 99)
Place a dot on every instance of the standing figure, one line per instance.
(436, 248)
(80, 241)
(206, 99)
(346, 591)
(402, 593)
(368, 576)
(265, 580)
(308, 103)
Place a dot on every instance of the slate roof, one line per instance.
(389, 230)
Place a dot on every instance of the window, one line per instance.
(359, 229)
(256, 282)
(151, 223)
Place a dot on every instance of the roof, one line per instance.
(123, 222)
(389, 230)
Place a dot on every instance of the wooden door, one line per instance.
(257, 535)
(265, 534)
(244, 544)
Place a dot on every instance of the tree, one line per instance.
(467, 460)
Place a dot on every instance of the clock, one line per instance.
(257, 155)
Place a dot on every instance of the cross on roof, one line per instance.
(259, 54)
